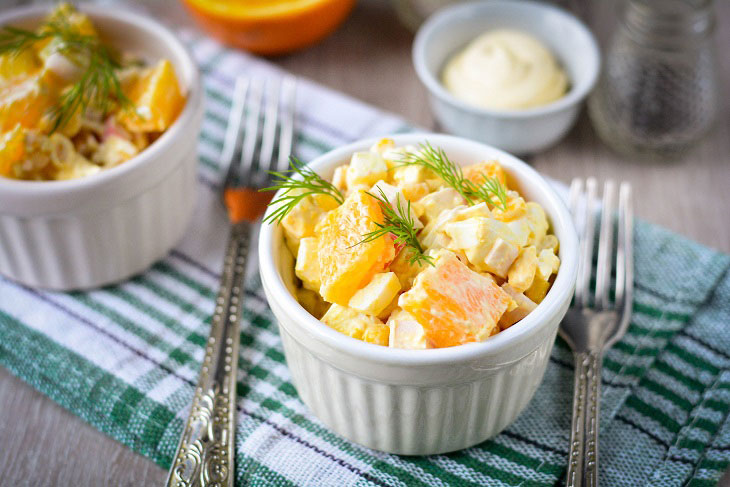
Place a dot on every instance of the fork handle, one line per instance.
(205, 454)
(583, 458)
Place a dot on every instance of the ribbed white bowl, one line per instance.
(102, 229)
(418, 402)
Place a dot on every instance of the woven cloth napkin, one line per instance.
(125, 358)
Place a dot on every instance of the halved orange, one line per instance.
(269, 27)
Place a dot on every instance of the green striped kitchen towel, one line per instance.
(125, 358)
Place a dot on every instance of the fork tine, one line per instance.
(605, 247)
(271, 115)
(250, 135)
(233, 129)
(576, 188)
(586, 252)
(625, 256)
(286, 137)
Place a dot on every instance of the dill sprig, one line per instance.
(97, 87)
(298, 183)
(399, 222)
(491, 190)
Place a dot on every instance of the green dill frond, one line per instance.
(399, 222)
(298, 183)
(435, 159)
(97, 87)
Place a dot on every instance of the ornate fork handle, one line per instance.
(205, 454)
(583, 458)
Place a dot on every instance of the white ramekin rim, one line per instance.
(452, 15)
(546, 312)
(12, 188)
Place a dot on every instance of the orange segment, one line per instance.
(270, 26)
(25, 102)
(12, 150)
(345, 264)
(15, 66)
(454, 304)
(157, 100)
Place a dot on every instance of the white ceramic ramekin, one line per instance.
(517, 131)
(104, 228)
(418, 402)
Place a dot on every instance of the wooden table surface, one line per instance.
(369, 58)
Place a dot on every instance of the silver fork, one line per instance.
(205, 455)
(593, 322)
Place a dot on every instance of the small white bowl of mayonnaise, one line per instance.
(511, 73)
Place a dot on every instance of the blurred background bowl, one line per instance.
(270, 28)
(519, 131)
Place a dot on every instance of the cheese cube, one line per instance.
(432, 205)
(522, 272)
(500, 257)
(537, 222)
(538, 290)
(365, 169)
(404, 270)
(476, 236)
(406, 331)
(339, 180)
(413, 191)
(478, 210)
(454, 304)
(307, 267)
(356, 324)
(524, 307)
(377, 294)
(549, 242)
(301, 221)
(394, 197)
(547, 264)
(408, 174)
(312, 302)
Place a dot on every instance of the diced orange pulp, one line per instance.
(345, 262)
(157, 100)
(454, 304)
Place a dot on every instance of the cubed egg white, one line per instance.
(500, 257)
(547, 264)
(307, 266)
(339, 180)
(406, 332)
(377, 294)
(365, 169)
(476, 237)
(431, 206)
(537, 222)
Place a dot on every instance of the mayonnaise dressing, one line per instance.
(505, 69)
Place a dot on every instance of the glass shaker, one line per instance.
(658, 91)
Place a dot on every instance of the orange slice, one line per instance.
(346, 264)
(157, 100)
(25, 102)
(454, 304)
